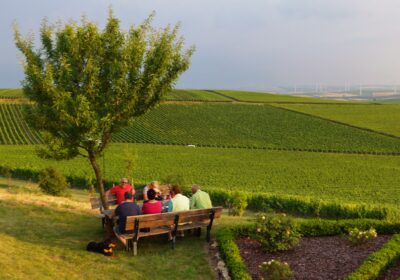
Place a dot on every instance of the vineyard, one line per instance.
(11, 93)
(13, 128)
(251, 126)
(382, 118)
(330, 177)
(219, 125)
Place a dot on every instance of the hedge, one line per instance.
(378, 261)
(231, 255)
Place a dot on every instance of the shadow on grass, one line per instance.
(43, 225)
(60, 237)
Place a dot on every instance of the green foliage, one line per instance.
(383, 118)
(378, 261)
(321, 227)
(52, 182)
(231, 255)
(276, 232)
(85, 84)
(237, 203)
(275, 270)
(358, 237)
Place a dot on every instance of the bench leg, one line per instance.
(134, 248)
(173, 242)
(197, 231)
(208, 237)
(128, 246)
(103, 222)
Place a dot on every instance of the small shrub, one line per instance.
(52, 182)
(275, 270)
(276, 232)
(357, 236)
(237, 203)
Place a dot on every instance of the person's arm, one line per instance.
(193, 202)
(107, 194)
(145, 197)
(170, 205)
(116, 213)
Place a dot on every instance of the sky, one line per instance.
(252, 45)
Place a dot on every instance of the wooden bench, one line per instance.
(137, 227)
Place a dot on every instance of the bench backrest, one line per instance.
(170, 219)
(199, 215)
(95, 202)
(150, 221)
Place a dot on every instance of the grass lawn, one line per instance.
(44, 237)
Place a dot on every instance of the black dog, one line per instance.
(105, 247)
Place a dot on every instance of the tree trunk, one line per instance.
(99, 180)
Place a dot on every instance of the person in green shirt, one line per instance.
(200, 199)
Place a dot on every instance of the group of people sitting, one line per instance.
(154, 201)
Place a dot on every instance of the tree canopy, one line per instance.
(86, 84)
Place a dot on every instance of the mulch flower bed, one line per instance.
(332, 257)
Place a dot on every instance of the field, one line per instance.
(220, 125)
(262, 97)
(13, 128)
(382, 118)
(331, 177)
(195, 95)
(11, 93)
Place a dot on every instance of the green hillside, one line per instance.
(383, 118)
(194, 95)
(332, 177)
(263, 97)
(11, 93)
(223, 125)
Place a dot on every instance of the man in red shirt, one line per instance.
(120, 190)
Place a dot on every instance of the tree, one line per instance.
(85, 84)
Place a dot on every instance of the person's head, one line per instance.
(124, 181)
(151, 194)
(128, 196)
(153, 185)
(195, 188)
(175, 189)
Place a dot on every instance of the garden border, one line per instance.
(381, 259)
